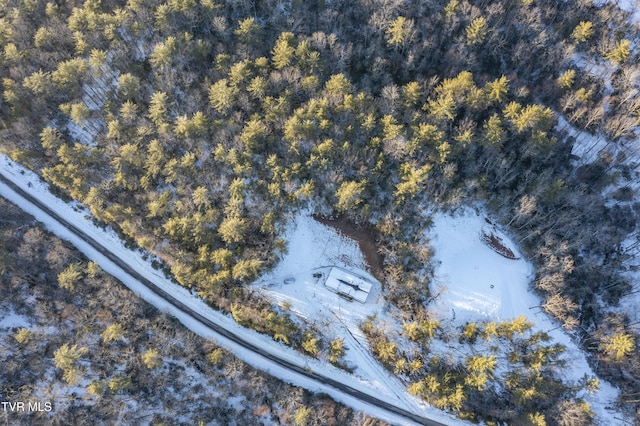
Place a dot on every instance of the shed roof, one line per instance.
(348, 284)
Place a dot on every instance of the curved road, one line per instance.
(212, 325)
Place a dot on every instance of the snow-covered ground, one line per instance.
(629, 304)
(472, 281)
(85, 134)
(371, 379)
(475, 283)
(586, 146)
(11, 319)
(632, 6)
(312, 247)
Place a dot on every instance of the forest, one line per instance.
(195, 128)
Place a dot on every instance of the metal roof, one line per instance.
(348, 284)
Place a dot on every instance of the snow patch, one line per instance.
(11, 319)
(474, 283)
(631, 6)
(629, 304)
(586, 146)
(86, 133)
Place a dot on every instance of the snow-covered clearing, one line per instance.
(379, 385)
(311, 248)
(475, 283)
(472, 281)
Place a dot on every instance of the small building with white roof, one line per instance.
(347, 284)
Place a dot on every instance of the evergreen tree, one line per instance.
(163, 52)
(70, 75)
(113, 332)
(71, 276)
(338, 84)
(310, 344)
(129, 111)
(302, 416)
(129, 85)
(51, 139)
(566, 79)
(387, 351)
(246, 270)
(67, 356)
(23, 336)
(618, 345)
(582, 32)
(222, 96)
(620, 53)
(477, 31)
(400, 32)
(39, 83)
(216, 357)
(158, 107)
(442, 108)
(283, 51)
(232, 230)
(412, 180)
(151, 358)
(349, 196)
(248, 31)
(336, 350)
(497, 89)
(121, 383)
